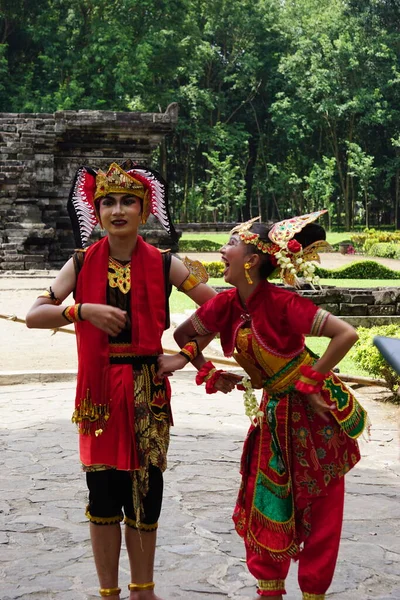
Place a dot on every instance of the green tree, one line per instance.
(360, 166)
(321, 186)
(225, 188)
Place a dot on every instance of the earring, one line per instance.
(247, 266)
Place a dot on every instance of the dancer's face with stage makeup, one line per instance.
(234, 254)
(120, 214)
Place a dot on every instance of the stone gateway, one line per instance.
(39, 156)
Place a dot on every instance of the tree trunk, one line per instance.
(249, 174)
(184, 216)
(397, 199)
(342, 178)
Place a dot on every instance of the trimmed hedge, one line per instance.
(385, 250)
(199, 246)
(366, 269)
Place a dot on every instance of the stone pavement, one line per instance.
(44, 549)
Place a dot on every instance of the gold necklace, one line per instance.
(119, 276)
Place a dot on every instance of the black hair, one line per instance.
(308, 235)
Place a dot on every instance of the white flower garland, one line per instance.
(307, 268)
(250, 402)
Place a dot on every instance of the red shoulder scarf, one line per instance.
(147, 316)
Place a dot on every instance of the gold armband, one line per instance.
(51, 296)
(197, 275)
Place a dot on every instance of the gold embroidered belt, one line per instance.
(286, 377)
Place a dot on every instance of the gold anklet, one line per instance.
(109, 591)
(137, 587)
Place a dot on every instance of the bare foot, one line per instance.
(144, 595)
(280, 597)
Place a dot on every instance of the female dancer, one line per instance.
(302, 439)
(122, 409)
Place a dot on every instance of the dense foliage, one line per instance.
(367, 356)
(284, 106)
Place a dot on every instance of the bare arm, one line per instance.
(177, 275)
(199, 294)
(44, 314)
(343, 337)
(183, 334)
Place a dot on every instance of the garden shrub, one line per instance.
(368, 357)
(214, 269)
(364, 241)
(384, 250)
(365, 269)
(198, 246)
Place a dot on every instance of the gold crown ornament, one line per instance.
(117, 181)
(285, 252)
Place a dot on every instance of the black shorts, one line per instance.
(111, 498)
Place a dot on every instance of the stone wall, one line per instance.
(211, 227)
(39, 154)
(364, 307)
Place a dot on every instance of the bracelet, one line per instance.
(210, 381)
(309, 372)
(310, 381)
(205, 372)
(208, 374)
(73, 313)
(307, 386)
(190, 350)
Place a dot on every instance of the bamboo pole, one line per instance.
(216, 359)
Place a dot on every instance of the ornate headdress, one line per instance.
(285, 252)
(90, 184)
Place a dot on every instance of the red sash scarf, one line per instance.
(147, 317)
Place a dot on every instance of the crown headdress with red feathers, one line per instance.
(90, 184)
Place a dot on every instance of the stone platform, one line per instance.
(44, 548)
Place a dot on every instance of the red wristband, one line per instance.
(204, 373)
(310, 381)
(210, 383)
(310, 373)
(307, 388)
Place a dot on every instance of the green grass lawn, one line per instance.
(348, 366)
(221, 238)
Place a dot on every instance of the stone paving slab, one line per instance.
(44, 548)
